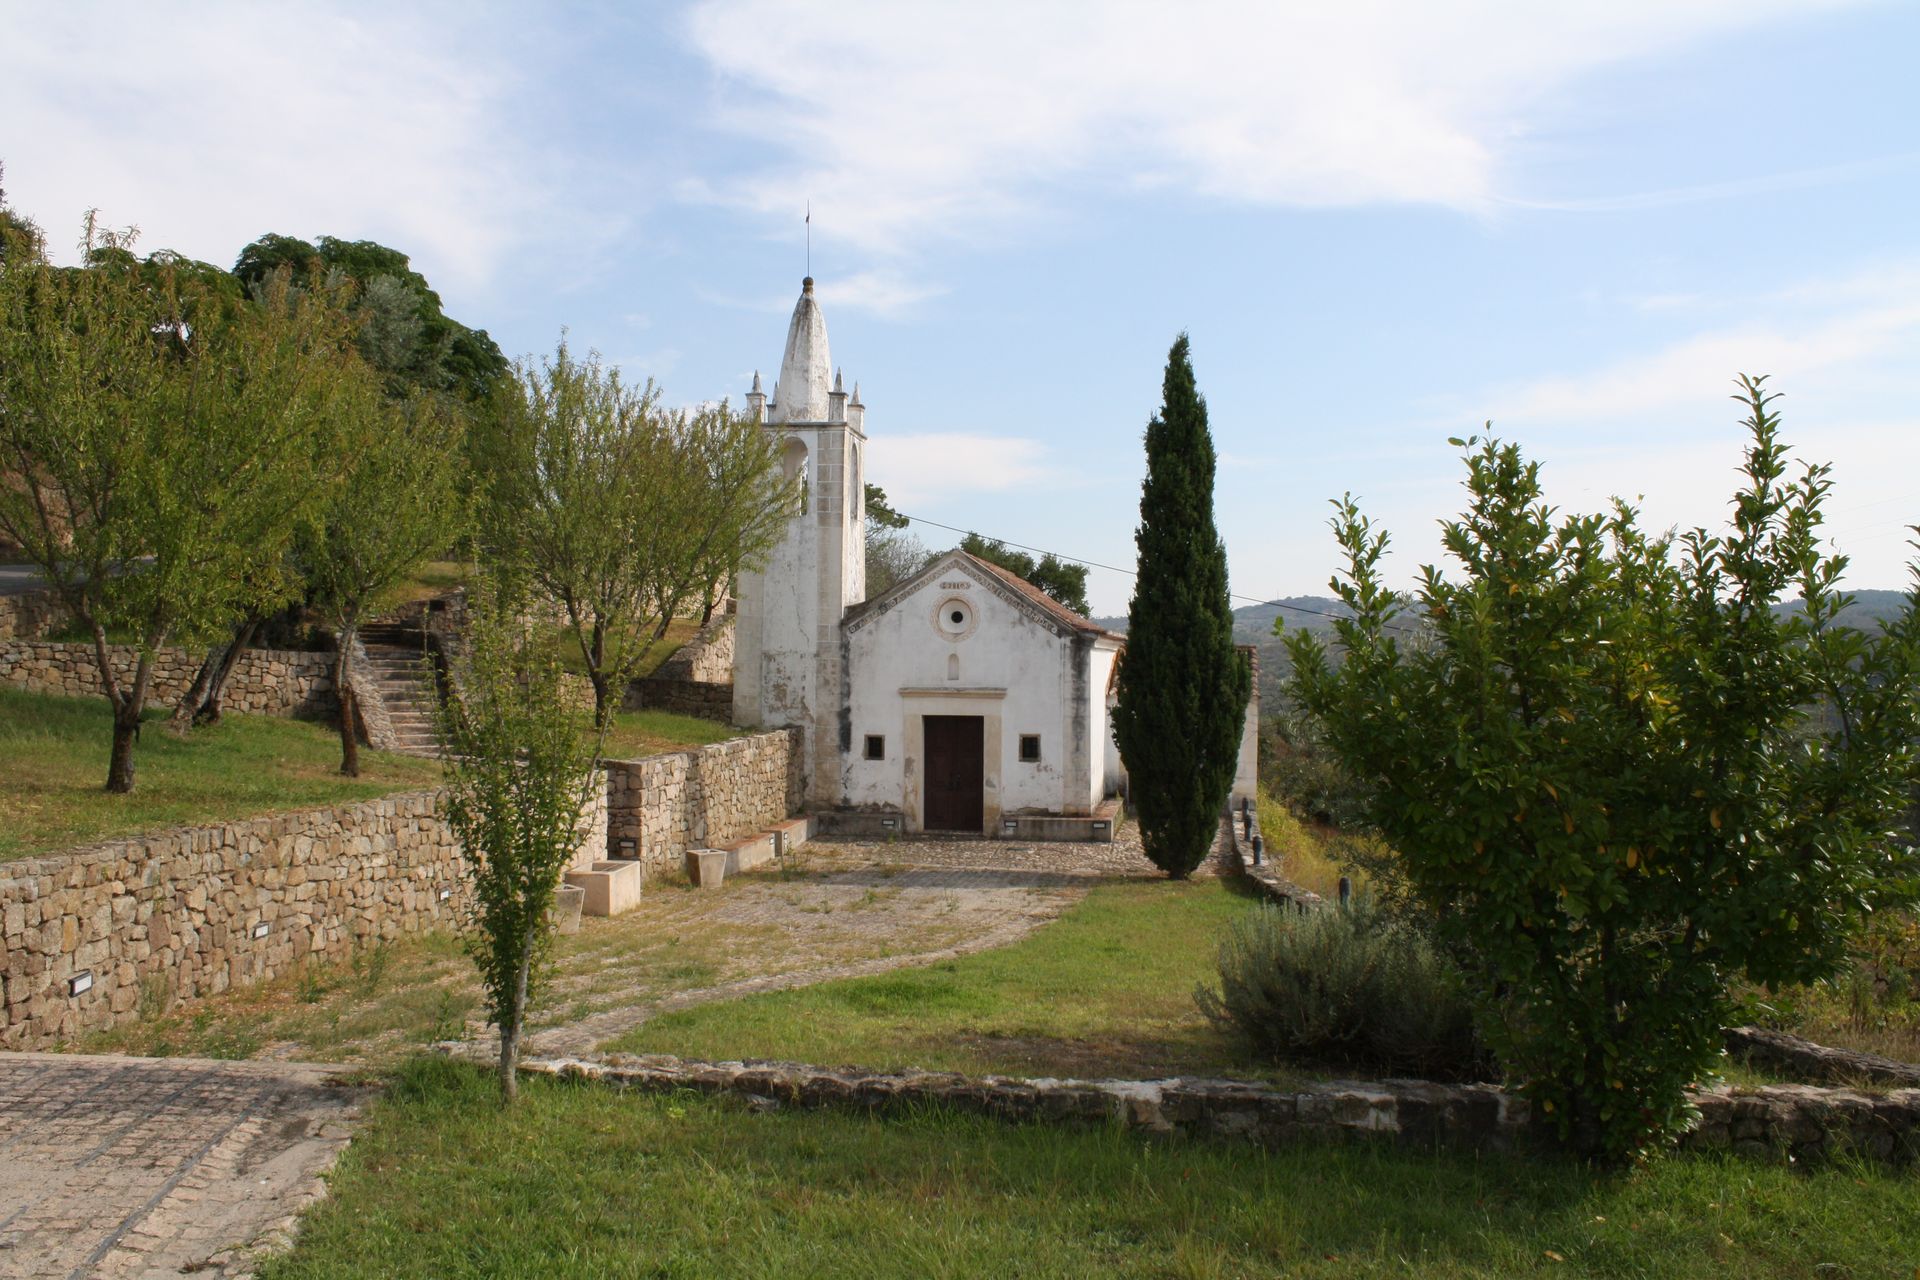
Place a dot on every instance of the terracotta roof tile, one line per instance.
(1053, 607)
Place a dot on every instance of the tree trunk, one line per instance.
(200, 704)
(186, 712)
(127, 706)
(209, 710)
(126, 727)
(510, 1031)
(343, 694)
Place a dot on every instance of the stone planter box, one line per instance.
(611, 887)
(707, 868)
(567, 902)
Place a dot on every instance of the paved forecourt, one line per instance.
(145, 1167)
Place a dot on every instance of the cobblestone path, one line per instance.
(137, 1167)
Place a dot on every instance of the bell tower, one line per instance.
(786, 649)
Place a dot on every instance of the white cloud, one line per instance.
(935, 466)
(1880, 317)
(211, 125)
(883, 292)
(904, 121)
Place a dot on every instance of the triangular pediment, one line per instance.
(989, 577)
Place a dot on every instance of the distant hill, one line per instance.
(1253, 624)
(1255, 621)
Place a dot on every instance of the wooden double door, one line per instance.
(956, 773)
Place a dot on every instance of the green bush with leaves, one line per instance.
(521, 769)
(1345, 986)
(1622, 777)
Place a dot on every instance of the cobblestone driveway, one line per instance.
(145, 1167)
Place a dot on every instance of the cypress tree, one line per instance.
(1183, 686)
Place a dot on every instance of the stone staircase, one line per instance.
(395, 657)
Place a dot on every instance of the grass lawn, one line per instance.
(53, 767)
(644, 733)
(1105, 990)
(582, 1181)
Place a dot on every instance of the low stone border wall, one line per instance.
(702, 798)
(1265, 875)
(1797, 1121)
(1810, 1061)
(278, 682)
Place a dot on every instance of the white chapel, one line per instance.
(963, 699)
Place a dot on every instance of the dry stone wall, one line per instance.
(161, 918)
(28, 615)
(707, 658)
(682, 697)
(701, 798)
(279, 682)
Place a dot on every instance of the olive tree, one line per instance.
(1619, 773)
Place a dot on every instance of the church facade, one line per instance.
(963, 699)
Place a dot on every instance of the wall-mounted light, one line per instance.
(1102, 827)
(1009, 827)
(260, 930)
(889, 824)
(445, 894)
(626, 847)
(80, 983)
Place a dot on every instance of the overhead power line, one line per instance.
(1114, 568)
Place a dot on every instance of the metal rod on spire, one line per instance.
(809, 238)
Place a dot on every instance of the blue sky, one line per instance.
(1382, 224)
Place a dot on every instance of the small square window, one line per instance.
(1029, 748)
(876, 746)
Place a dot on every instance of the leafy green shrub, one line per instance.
(1346, 986)
(1596, 753)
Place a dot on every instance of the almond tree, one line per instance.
(156, 439)
(622, 513)
(393, 503)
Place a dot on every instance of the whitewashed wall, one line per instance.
(1007, 666)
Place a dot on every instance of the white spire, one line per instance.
(801, 393)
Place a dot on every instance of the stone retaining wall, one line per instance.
(279, 682)
(708, 657)
(28, 615)
(682, 697)
(161, 918)
(696, 799)
(1797, 1121)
